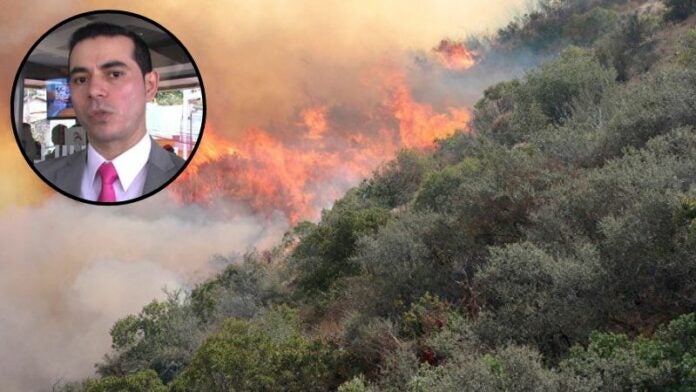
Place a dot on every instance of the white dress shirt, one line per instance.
(130, 166)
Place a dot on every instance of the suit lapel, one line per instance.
(160, 168)
(69, 178)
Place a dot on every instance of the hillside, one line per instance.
(550, 249)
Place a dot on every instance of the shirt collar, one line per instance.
(127, 165)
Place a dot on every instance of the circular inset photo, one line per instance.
(108, 107)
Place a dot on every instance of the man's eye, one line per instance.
(79, 80)
(115, 74)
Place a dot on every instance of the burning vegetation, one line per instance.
(454, 55)
(307, 163)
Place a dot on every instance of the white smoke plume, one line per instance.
(69, 272)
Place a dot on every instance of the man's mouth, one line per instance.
(99, 115)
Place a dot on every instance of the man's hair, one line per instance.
(141, 53)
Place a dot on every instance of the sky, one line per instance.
(304, 99)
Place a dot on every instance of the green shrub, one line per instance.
(556, 84)
(395, 184)
(533, 298)
(512, 368)
(440, 186)
(614, 362)
(493, 112)
(513, 112)
(686, 50)
(662, 102)
(357, 384)
(631, 211)
(162, 337)
(678, 10)
(325, 255)
(630, 47)
(368, 341)
(425, 317)
(269, 354)
(239, 291)
(585, 28)
(492, 203)
(401, 264)
(142, 381)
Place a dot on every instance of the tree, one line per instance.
(395, 184)
(585, 28)
(686, 49)
(268, 354)
(512, 368)
(532, 298)
(163, 337)
(632, 211)
(325, 254)
(357, 384)
(169, 97)
(612, 361)
(439, 187)
(142, 381)
(400, 264)
(630, 48)
(678, 10)
(493, 112)
(496, 192)
(511, 112)
(239, 291)
(558, 83)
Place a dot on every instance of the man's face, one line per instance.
(109, 92)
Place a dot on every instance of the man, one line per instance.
(28, 143)
(111, 80)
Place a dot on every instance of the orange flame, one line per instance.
(419, 125)
(314, 119)
(213, 149)
(454, 55)
(307, 165)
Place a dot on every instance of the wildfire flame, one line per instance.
(213, 149)
(307, 165)
(454, 55)
(419, 124)
(314, 119)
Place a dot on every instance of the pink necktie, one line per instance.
(108, 175)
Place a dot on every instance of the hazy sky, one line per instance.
(68, 271)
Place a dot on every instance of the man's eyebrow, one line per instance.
(113, 64)
(78, 70)
(107, 65)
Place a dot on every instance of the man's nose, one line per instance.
(97, 87)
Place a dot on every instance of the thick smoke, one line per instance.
(69, 272)
(268, 62)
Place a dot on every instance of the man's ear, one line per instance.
(151, 84)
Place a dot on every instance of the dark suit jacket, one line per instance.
(66, 172)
